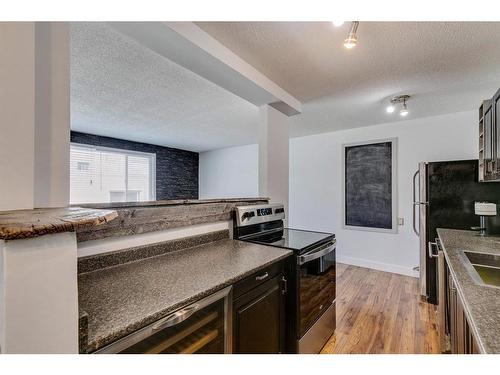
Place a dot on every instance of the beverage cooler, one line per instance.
(202, 327)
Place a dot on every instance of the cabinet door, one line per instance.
(461, 327)
(495, 120)
(489, 144)
(449, 310)
(452, 313)
(259, 319)
(474, 348)
(462, 340)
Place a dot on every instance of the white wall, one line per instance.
(315, 184)
(229, 172)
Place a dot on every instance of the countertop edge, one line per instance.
(171, 202)
(25, 224)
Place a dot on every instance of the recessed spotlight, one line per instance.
(390, 108)
(337, 23)
(352, 39)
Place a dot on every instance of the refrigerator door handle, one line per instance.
(415, 203)
(422, 225)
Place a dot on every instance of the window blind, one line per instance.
(105, 175)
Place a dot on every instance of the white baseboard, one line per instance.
(387, 267)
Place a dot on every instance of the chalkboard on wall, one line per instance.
(370, 185)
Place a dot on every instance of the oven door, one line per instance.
(316, 284)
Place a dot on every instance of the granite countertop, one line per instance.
(21, 224)
(122, 299)
(481, 303)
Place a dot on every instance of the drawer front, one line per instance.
(257, 278)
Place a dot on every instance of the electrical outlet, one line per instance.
(401, 221)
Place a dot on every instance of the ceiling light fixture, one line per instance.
(352, 39)
(337, 23)
(404, 111)
(396, 100)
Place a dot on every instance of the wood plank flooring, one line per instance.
(381, 312)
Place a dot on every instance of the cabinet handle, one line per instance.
(285, 285)
(430, 247)
(262, 277)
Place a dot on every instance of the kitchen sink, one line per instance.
(485, 267)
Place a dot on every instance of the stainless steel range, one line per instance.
(311, 274)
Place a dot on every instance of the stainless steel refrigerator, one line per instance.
(443, 197)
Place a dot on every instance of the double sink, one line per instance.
(483, 267)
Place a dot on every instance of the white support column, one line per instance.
(52, 114)
(273, 155)
(34, 115)
(38, 277)
(39, 295)
(17, 106)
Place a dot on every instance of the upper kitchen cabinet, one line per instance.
(489, 139)
(495, 115)
(486, 171)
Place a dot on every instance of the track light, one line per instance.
(404, 111)
(352, 39)
(396, 100)
(337, 23)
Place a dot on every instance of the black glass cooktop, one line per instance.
(293, 239)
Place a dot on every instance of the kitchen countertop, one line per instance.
(21, 224)
(481, 303)
(174, 202)
(122, 299)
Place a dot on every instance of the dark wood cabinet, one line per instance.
(461, 339)
(495, 123)
(489, 139)
(259, 313)
(487, 142)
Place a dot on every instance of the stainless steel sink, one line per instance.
(484, 267)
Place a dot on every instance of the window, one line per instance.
(107, 175)
(83, 166)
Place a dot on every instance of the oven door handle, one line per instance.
(317, 254)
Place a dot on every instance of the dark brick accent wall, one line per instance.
(176, 170)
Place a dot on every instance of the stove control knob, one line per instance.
(247, 215)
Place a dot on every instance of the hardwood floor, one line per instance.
(381, 312)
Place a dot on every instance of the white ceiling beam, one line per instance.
(189, 46)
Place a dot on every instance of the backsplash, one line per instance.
(99, 261)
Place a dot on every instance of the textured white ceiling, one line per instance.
(446, 67)
(122, 89)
